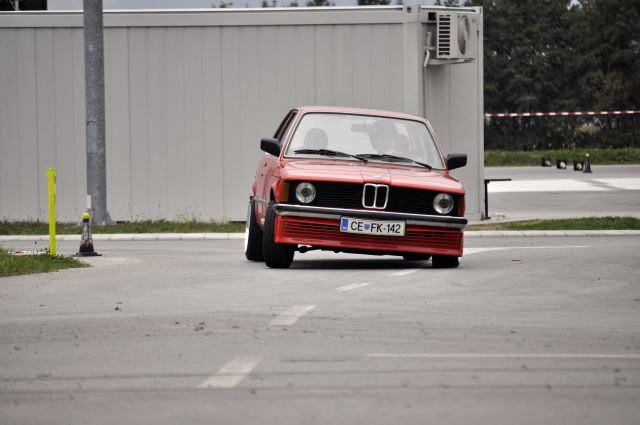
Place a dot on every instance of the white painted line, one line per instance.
(291, 315)
(554, 185)
(232, 373)
(622, 183)
(404, 272)
(352, 286)
(471, 251)
(504, 356)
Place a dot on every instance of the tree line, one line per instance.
(561, 55)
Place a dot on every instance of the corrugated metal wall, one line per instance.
(189, 95)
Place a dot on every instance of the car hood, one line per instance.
(341, 171)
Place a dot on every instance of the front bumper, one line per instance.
(319, 227)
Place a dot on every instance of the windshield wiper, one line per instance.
(394, 158)
(329, 152)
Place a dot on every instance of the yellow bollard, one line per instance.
(51, 174)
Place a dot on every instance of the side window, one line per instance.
(285, 124)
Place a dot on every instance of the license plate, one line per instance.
(372, 227)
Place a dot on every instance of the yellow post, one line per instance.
(51, 174)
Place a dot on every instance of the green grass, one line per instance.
(13, 265)
(156, 226)
(585, 223)
(532, 158)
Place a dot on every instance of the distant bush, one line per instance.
(498, 158)
(535, 133)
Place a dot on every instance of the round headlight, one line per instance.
(443, 203)
(305, 192)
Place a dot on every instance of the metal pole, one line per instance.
(51, 179)
(94, 110)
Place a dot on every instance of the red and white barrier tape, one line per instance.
(558, 114)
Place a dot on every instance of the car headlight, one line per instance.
(443, 203)
(305, 192)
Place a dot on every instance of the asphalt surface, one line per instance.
(542, 192)
(535, 330)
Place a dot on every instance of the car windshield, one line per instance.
(381, 139)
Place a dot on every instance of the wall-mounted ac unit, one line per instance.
(453, 38)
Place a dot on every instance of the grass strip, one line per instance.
(583, 223)
(147, 226)
(533, 158)
(13, 265)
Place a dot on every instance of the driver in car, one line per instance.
(383, 137)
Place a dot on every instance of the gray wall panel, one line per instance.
(117, 115)
(231, 115)
(396, 81)
(9, 150)
(139, 124)
(342, 66)
(213, 159)
(189, 95)
(361, 64)
(178, 205)
(157, 124)
(28, 175)
(194, 137)
(67, 178)
(324, 64)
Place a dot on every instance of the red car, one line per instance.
(358, 181)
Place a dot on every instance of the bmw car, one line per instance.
(355, 181)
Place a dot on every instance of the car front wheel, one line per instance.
(252, 235)
(444, 262)
(276, 255)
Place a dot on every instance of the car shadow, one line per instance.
(360, 264)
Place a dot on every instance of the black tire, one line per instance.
(416, 257)
(276, 255)
(445, 262)
(252, 235)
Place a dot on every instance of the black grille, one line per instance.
(349, 195)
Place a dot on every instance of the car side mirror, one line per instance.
(271, 146)
(456, 160)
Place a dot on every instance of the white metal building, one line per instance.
(190, 93)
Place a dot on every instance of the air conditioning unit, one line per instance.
(453, 38)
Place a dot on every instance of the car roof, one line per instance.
(358, 111)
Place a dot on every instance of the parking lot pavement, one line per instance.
(527, 330)
(542, 192)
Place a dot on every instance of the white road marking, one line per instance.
(471, 251)
(404, 272)
(503, 356)
(232, 373)
(291, 315)
(554, 185)
(622, 183)
(352, 286)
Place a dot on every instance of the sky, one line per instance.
(179, 4)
